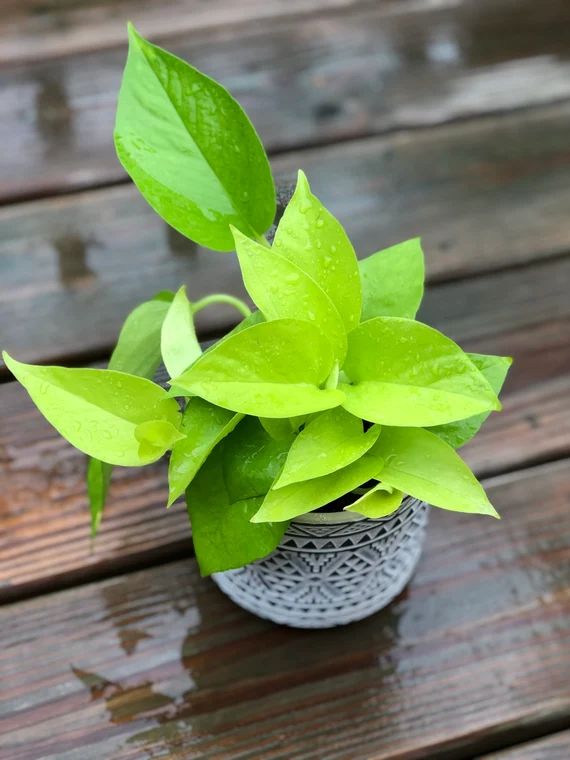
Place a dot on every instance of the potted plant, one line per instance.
(310, 439)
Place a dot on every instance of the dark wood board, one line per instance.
(484, 195)
(554, 747)
(158, 663)
(43, 508)
(304, 81)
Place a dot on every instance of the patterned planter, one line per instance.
(331, 568)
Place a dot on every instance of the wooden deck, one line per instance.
(448, 119)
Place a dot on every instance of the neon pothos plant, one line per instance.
(329, 389)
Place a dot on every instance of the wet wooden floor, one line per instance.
(448, 119)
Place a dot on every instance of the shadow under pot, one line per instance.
(332, 568)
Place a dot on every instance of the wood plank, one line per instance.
(32, 32)
(483, 195)
(43, 510)
(472, 655)
(305, 81)
(554, 747)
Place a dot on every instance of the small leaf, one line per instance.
(190, 149)
(138, 347)
(405, 373)
(494, 369)
(393, 281)
(160, 434)
(309, 236)
(299, 498)
(97, 410)
(204, 426)
(178, 343)
(223, 536)
(282, 290)
(329, 442)
(278, 429)
(420, 464)
(98, 480)
(273, 369)
(380, 501)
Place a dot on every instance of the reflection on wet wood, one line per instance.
(483, 195)
(555, 747)
(303, 81)
(43, 506)
(159, 662)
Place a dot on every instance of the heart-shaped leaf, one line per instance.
(331, 441)
(190, 149)
(309, 236)
(393, 281)
(494, 369)
(178, 343)
(204, 426)
(273, 369)
(299, 498)
(282, 290)
(405, 373)
(223, 535)
(379, 501)
(99, 411)
(419, 463)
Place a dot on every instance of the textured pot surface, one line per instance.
(332, 568)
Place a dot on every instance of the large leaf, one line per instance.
(419, 463)
(102, 412)
(379, 501)
(204, 426)
(190, 149)
(310, 237)
(282, 290)
(405, 373)
(299, 498)
(223, 536)
(273, 369)
(494, 369)
(329, 442)
(178, 343)
(393, 281)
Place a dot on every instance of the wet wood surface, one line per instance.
(303, 81)
(477, 643)
(444, 119)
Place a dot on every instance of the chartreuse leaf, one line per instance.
(299, 498)
(102, 412)
(406, 373)
(380, 501)
(98, 480)
(309, 236)
(494, 369)
(223, 536)
(281, 290)
(420, 464)
(279, 429)
(331, 441)
(178, 343)
(190, 148)
(393, 281)
(138, 353)
(204, 426)
(273, 369)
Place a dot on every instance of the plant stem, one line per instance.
(237, 303)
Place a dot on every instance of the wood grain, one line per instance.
(159, 663)
(485, 195)
(44, 541)
(304, 81)
(555, 747)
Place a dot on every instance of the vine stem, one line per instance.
(237, 303)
